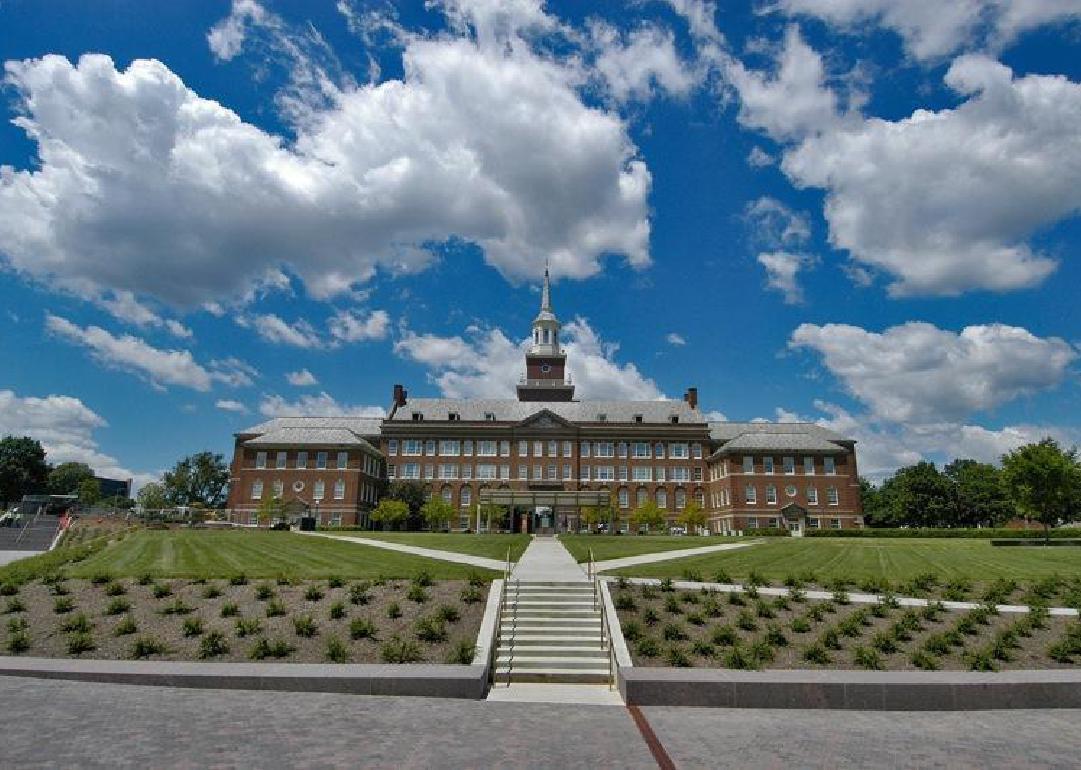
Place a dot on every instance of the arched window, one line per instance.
(466, 496)
(624, 497)
(662, 498)
(279, 488)
(447, 492)
(257, 489)
(339, 489)
(319, 490)
(641, 496)
(700, 498)
(681, 499)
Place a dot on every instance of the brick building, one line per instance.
(543, 456)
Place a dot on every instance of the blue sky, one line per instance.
(859, 214)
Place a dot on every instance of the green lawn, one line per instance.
(617, 546)
(257, 554)
(894, 560)
(488, 546)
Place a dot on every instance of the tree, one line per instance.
(270, 510)
(152, 497)
(22, 467)
(589, 517)
(390, 512)
(1044, 480)
(693, 517)
(490, 512)
(414, 495)
(89, 492)
(437, 513)
(647, 515)
(979, 494)
(915, 496)
(198, 478)
(65, 478)
(871, 500)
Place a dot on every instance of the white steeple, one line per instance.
(546, 325)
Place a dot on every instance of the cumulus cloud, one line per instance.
(918, 373)
(639, 64)
(675, 339)
(273, 328)
(142, 186)
(230, 405)
(779, 229)
(321, 405)
(123, 306)
(782, 273)
(759, 158)
(301, 379)
(349, 326)
(65, 427)
(487, 364)
(944, 201)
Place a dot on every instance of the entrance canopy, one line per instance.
(550, 499)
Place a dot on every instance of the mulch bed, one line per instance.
(47, 638)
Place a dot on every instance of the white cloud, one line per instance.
(321, 405)
(123, 306)
(773, 224)
(142, 186)
(348, 326)
(715, 416)
(230, 405)
(226, 38)
(489, 365)
(675, 339)
(759, 158)
(275, 329)
(65, 427)
(301, 379)
(918, 373)
(1013, 160)
(782, 273)
(638, 64)
(233, 371)
(931, 30)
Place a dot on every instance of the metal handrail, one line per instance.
(493, 654)
(611, 646)
(29, 524)
(513, 633)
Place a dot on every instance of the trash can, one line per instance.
(307, 524)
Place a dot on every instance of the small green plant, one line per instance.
(672, 606)
(673, 632)
(712, 608)
(632, 631)
(63, 604)
(703, 649)
(145, 579)
(275, 608)
(840, 596)
(830, 639)
(337, 611)
(666, 586)
(18, 624)
(957, 589)
(650, 617)
(471, 595)
(358, 593)
(647, 647)
(677, 657)
(145, 646)
(884, 642)
(8, 589)
(284, 580)
(476, 579)
(692, 575)
(14, 604)
(462, 652)
(689, 597)
(866, 657)
(213, 645)
(931, 611)
(722, 576)
(334, 581)
(117, 606)
(248, 627)
(423, 579)
(756, 578)
(100, 578)
(775, 637)
(648, 591)
(417, 594)
(337, 651)
(740, 658)
(362, 628)
(937, 644)
(161, 590)
(735, 598)
(626, 603)
(762, 652)
(80, 623)
(781, 603)
(746, 620)
(211, 592)
(696, 619)
(764, 610)
(192, 626)
(80, 642)
(270, 648)
(751, 592)
(981, 660)
(431, 629)
(800, 625)
(923, 659)
(17, 642)
(115, 589)
(125, 627)
(816, 653)
(238, 580)
(177, 607)
(313, 593)
(57, 588)
(264, 591)
(398, 650)
(724, 636)
(394, 610)
(448, 613)
(230, 610)
(305, 626)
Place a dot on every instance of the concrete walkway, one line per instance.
(547, 560)
(581, 694)
(431, 553)
(6, 557)
(650, 558)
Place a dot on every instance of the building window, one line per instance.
(621, 449)
(392, 471)
(624, 497)
(321, 460)
(486, 472)
(466, 496)
(392, 446)
(767, 465)
(583, 449)
(278, 487)
(523, 472)
(486, 449)
(681, 499)
(585, 473)
(553, 449)
(552, 472)
(751, 494)
(504, 448)
(623, 473)
(302, 459)
(410, 470)
(696, 451)
(752, 522)
(677, 452)
(748, 464)
(812, 496)
(809, 466)
(681, 474)
(448, 471)
(343, 460)
(429, 471)
(604, 449)
(659, 473)
(662, 499)
(640, 450)
(835, 523)
(411, 447)
(467, 447)
(658, 451)
(537, 473)
(812, 522)
(788, 465)
(831, 496)
(280, 460)
(339, 489)
(566, 471)
(538, 449)
(641, 495)
(700, 498)
(450, 448)
(260, 460)
(523, 449)
(467, 471)
(568, 449)
(504, 472)
(257, 490)
(429, 447)
(771, 494)
(605, 473)
(447, 493)
(830, 465)
(698, 473)
(641, 473)
(319, 490)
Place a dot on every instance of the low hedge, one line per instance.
(767, 532)
(986, 533)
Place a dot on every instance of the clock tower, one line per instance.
(545, 363)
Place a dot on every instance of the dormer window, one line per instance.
(490, 416)
(418, 416)
(453, 416)
(602, 417)
(674, 418)
(638, 418)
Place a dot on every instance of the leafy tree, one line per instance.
(872, 501)
(490, 512)
(647, 515)
(414, 495)
(198, 478)
(437, 513)
(1044, 480)
(917, 496)
(390, 512)
(89, 491)
(980, 497)
(270, 510)
(152, 497)
(590, 517)
(22, 467)
(65, 478)
(692, 517)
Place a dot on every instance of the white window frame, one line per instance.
(768, 465)
(281, 461)
(640, 450)
(750, 494)
(771, 494)
(301, 461)
(487, 448)
(642, 473)
(342, 461)
(678, 451)
(412, 447)
(583, 449)
(450, 448)
(257, 489)
(808, 466)
(410, 471)
(788, 465)
(748, 464)
(487, 472)
(319, 489)
(260, 460)
(830, 465)
(833, 497)
(568, 449)
(339, 489)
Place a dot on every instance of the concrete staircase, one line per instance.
(550, 632)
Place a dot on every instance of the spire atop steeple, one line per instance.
(546, 292)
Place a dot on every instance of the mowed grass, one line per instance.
(894, 560)
(489, 546)
(256, 554)
(617, 546)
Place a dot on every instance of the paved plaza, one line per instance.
(6, 557)
(53, 724)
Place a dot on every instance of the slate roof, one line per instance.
(316, 431)
(362, 426)
(779, 436)
(512, 410)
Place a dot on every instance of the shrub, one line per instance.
(866, 657)
(471, 595)
(8, 589)
(738, 657)
(746, 620)
(775, 637)
(931, 611)
(957, 589)
(80, 642)
(696, 619)
(18, 641)
(393, 610)
(14, 604)
(248, 627)
(275, 608)
(18, 624)
(362, 628)
(358, 593)
(462, 653)
(334, 581)
(689, 597)
(648, 591)
(1037, 616)
(626, 602)
(305, 626)
(756, 578)
(193, 626)
(840, 596)
(145, 646)
(264, 591)
(751, 592)
(829, 639)
(672, 605)
(145, 579)
(981, 660)
(937, 644)
(816, 653)
(735, 598)
(666, 586)
(800, 625)
(476, 579)
(161, 590)
(313, 593)
(792, 581)
(284, 580)
(677, 657)
(423, 579)
(178, 607)
(57, 588)
(922, 659)
(966, 624)
(673, 632)
(703, 649)
(417, 594)
(712, 608)
(125, 626)
(724, 636)
(336, 651)
(816, 612)
(212, 645)
(100, 578)
(763, 610)
(230, 610)
(63, 604)
(1061, 651)
(238, 580)
(115, 589)
(266, 648)
(884, 642)
(650, 617)
(781, 603)
(211, 592)
(448, 613)
(80, 623)
(999, 590)
(632, 631)
(399, 650)
(722, 576)
(337, 611)
(431, 629)
(1002, 645)
(648, 647)
(117, 606)
(693, 575)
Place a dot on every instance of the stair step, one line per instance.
(524, 651)
(553, 675)
(522, 663)
(556, 640)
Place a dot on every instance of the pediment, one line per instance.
(545, 420)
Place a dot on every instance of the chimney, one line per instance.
(691, 397)
(400, 395)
